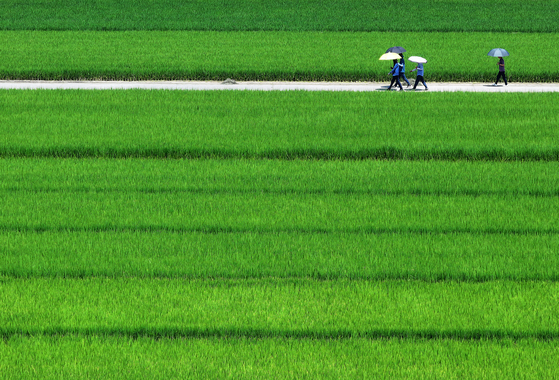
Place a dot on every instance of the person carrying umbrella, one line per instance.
(395, 75)
(419, 78)
(420, 61)
(403, 69)
(501, 64)
(500, 53)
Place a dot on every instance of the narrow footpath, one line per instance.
(276, 86)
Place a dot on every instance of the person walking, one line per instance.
(419, 78)
(501, 72)
(395, 76)
(403, 69)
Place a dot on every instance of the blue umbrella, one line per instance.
(396, 49)
(498, 53)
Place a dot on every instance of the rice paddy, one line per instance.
(270, 55)
(276, 125)
(170, 234)
(285, 15)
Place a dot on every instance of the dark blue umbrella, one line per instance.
(396, 49)
(498, 53)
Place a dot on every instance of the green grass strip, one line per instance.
(324, 56)
(279, 308)
(136, 246)
(422, 256)
(284, 125)
(366, 177)
(86, 357)
(293, 15)
(273, 213)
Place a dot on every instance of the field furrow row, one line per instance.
(79, 356)
(424, 256)
(280, 307)
(279, 177)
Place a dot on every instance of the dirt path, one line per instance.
(280, 86)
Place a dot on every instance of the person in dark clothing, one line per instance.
(501, 72)
(419, 78)
(395, 76)
(403, 69)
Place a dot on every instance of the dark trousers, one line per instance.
(403, 75)
(501, 74)
(419, 79)
(396, 79)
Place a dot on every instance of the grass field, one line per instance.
(170, 234)
(235, 176)
(266, 308)
(236, 219)
(263, 40)
(74, 356)
(213, 55)
(470, 257)
(278, 125)
(290, 15)
(278, 231)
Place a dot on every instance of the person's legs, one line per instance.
(505, 78)
(391, 83)
(499, 77)
(420, 79)
(403, 75)
(398, 81)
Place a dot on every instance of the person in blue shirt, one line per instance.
(395, 75)
(403, 69)
(419, 78)
(501, 72)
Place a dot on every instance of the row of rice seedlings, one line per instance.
(428, 257)
(376, 153)
(287, 125)
(334, 15)
(92, 356)
(322, 56)
(268, 308)
(306, 213)
(535, 178)
(380, 153)
(130, 192)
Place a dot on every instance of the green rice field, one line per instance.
(334, 40)
(277, 235)
(285, 15)
(281, 219)
(270, 55)
(254, 255)
(275, 125)
(249, 358)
